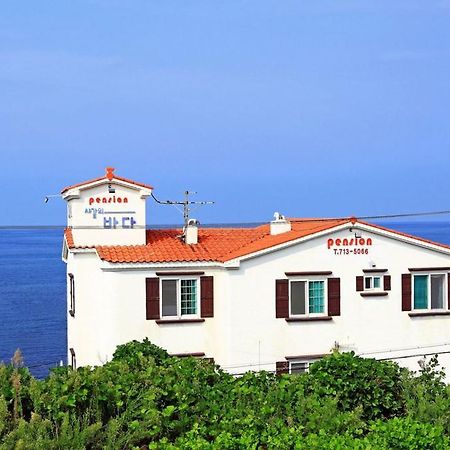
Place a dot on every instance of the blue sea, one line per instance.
(33, 291)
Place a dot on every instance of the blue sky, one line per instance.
(311, 108)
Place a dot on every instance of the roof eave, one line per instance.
(412, 240)
(404, 237)
(75, 189)
(117, 266)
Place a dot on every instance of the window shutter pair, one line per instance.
(386, 283)
(152, 297)
(282, 298)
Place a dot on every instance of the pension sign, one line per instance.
(350, 246)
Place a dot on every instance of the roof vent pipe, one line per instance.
(279, 225)
(190, 232)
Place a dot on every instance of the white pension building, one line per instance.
(272, 297)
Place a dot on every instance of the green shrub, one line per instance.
(14, 387)
(427, 396)
(5, 420)
(374, 386)
(406, 434)
(136, 354)
(145, 398)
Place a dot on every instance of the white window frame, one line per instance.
(445, 288)
(306, 361)
(325, 297)
(372, 283)
(179, 315)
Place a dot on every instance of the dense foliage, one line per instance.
(146, 399)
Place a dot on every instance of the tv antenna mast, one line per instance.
(187, 205)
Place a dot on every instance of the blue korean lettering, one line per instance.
(128, 222)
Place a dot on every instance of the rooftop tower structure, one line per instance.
(109, 210)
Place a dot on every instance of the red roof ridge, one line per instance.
(320, 219)
(109, 176)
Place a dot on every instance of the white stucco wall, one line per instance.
(244, 333)
(117, 315)
(99, 217)
(365, 325)
(85, 330)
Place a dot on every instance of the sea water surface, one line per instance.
(33, 291)
(33, 298)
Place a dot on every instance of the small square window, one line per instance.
(298, 367)
(371, 283)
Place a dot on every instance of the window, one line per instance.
(429, 291)
(372, 283)
(179, 297)
(298, 367)
(73, 359)
(72, 294)
(375, 284)
(307, 297)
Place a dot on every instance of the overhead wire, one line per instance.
(365, 354)
(326, 219)
(418, 355)
(258, 364)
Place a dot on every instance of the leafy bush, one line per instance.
(374, 386)
(427, 396)
(14, 387)
(144, 398)
(406, 434)
(136, 354)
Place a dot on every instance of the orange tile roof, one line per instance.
(69, 237)
(109, 177)
(218, 244)
(214, 244)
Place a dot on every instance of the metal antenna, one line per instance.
(186, 203)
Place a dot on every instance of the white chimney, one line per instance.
(191, 232)
(279, 225)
